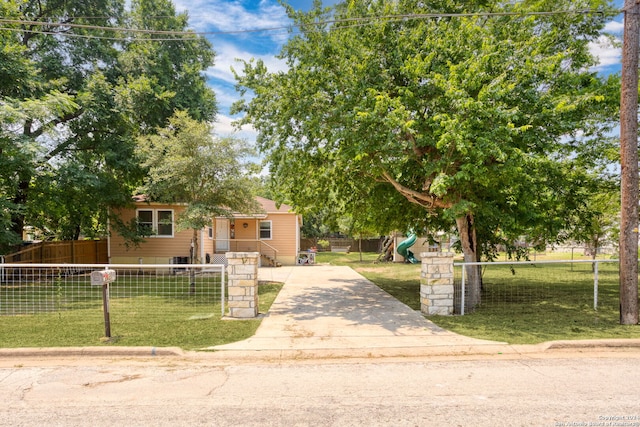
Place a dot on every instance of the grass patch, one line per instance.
(137, 321)
(528, 305)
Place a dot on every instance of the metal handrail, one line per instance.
(258, 242)
(275, 251)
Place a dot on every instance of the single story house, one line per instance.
(274, 233)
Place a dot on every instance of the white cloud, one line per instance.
(227, 55)
(232, 16)
(224, 127)
(221, 78)
(614, 27)
(225, 95)
(606, 52)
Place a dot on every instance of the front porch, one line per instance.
(268, 254)
(273, 233)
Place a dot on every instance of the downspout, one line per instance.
(258, 241)
(298, 227)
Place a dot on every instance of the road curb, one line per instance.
(595, 343)
(444, 351)
(90, 351)
(279, 354)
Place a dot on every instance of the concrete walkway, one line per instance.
(332, 311)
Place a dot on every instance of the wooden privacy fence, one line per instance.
(368, 245)
(65, 252)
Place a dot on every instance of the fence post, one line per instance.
(462, 290)
(242, 276)
(223, 286)
(595, 286)
(436, 283)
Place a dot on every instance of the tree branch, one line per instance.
(425, 200)
(70, 116)
(417, 151)
(60, 148)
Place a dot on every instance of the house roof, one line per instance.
(269, 206)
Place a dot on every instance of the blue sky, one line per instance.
(242, 15)
(239, 15)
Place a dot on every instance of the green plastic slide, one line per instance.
(403, 248)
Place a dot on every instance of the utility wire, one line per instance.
(90, 36)
(356, 21)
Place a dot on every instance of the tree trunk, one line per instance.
(76, 232)
(629, 166)
(467, 232)
(195, 250)
(386, 246)
(20, 199)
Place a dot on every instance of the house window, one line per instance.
(165, 223)
(265, 230)
(145, 222)
(155, 223)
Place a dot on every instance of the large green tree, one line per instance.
(467, 117)
(186, 164)
(97, 89)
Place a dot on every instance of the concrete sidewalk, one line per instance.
(332, 311)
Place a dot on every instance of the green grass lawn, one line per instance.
(137, 321)
(526, 306)
(536, 304)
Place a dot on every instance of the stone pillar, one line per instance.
(242, 277)
(436, 283)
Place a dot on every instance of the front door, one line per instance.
(222, 235)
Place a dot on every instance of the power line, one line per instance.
(356, 21)
(90, 36)
(90, 27)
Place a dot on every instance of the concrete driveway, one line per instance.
(333, 311)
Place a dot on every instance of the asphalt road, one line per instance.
(558, 388)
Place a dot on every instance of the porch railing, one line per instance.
(268, 250)
(246, 245)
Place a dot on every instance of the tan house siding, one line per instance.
(246, 236)
(155, 249)
(285, 237)
(243, 236)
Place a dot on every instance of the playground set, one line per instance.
(402, 249)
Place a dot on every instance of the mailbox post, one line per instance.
(103, 278)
